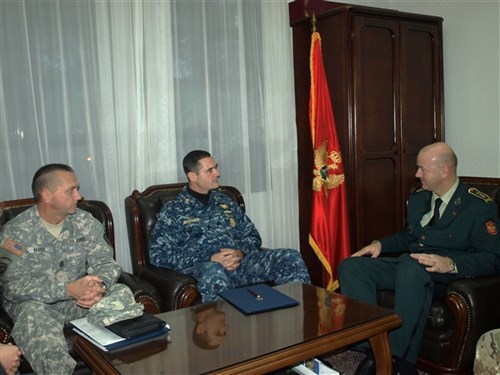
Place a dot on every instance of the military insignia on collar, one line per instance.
(491, 228)
(13, 247)
(479, 194)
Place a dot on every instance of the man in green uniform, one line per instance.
(452, 232)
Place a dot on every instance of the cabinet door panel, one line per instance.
(375, 83)
(421, 80)
(377, 166)
(377, 200)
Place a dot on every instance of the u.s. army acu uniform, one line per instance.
(188, 233)
(35, 269)
(487, 359)
(466, 232)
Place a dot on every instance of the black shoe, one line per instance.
(366, 366)
(403, 367)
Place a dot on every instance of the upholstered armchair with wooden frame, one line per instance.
(177, 290)
(469, 308)
(143, 291)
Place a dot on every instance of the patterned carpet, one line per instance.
(344, 362)
(347, 361)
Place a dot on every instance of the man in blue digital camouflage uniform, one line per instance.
(56, 266)
(460, 240)
(203, 232)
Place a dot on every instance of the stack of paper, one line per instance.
(107, 340)
(314, 367)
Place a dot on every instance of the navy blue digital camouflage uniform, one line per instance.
(35, 269)
(188, 233)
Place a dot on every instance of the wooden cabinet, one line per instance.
(384, 71)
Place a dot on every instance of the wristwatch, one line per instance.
(453, 267)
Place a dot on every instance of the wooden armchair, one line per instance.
(469, 308)
(143, 291)
(177, 290)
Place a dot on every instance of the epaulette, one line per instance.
(479, 194)
(419, 190)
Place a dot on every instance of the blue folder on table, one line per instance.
(257, 298)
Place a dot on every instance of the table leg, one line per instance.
(382, 353)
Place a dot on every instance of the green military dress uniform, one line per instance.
(466, 232)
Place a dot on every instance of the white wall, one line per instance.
(471, 48)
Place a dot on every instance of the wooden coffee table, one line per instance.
(254, 344)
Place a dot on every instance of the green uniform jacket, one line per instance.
(467, 232)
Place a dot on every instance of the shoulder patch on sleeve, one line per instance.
(479, 194)
(13, 247)
(491, 228)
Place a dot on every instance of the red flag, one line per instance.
(329, 235)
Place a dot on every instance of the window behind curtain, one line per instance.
(121, 91)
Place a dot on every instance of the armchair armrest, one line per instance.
(5, 326)
(475, 311)
(176, 290)
(143, 292)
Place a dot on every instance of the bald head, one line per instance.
(437, 167)
(442, 155)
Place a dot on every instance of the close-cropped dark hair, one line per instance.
(43, 177)
(190, 161)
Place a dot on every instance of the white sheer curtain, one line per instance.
(122, 90)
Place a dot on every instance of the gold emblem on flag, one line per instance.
(325, 167)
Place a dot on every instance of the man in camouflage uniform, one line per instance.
(203, 232)
(56, 266)
(487, 360)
